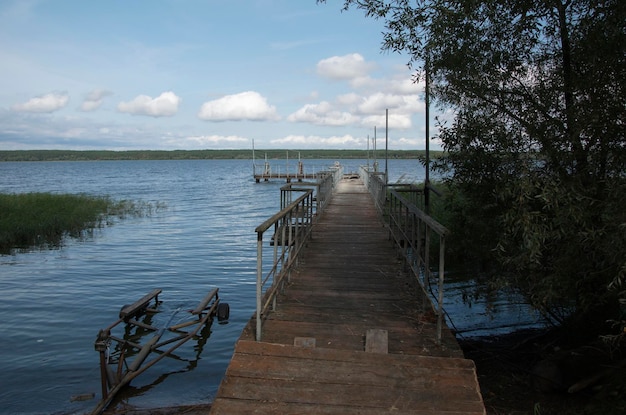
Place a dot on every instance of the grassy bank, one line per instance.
(44, 219)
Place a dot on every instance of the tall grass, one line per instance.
(45, 219)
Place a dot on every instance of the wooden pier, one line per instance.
(266, 172)
(350, 334)
(288, 177)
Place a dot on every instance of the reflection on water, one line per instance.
(53, 302)
(472, 311)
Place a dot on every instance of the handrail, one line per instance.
(292, 227)
(411, 230)
(323, 186)
(373, 181)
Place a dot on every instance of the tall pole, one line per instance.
(427, 103)
(386, 145)
(368, 153)
(253, 165)
(374, 145)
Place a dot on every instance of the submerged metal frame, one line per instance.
(112, 381)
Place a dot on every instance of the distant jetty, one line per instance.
(295, 172)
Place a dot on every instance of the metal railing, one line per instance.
(412, 230)
(375, 182)
(292, 227)
(323, 187)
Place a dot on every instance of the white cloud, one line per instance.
(94, 99)
(165, 105)
(345, 67)
(249, 105)
(218, 140)
(377, 103)
(349, 99)
(301, 141)
(405, 142)
(44, 104)
(354, 109)
(322, 114)
(405, 86)
(396, 121)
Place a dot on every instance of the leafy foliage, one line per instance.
(537, 148)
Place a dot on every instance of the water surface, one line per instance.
(54, 301)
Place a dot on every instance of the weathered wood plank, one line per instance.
(349, 281)
(408, 376)
(222, 406)
(356, 395)
(376, 341)
(283, 350)
(304, 342)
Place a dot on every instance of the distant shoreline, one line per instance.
(95, 155)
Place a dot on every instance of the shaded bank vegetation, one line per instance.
(45, 219)
(536, 147)
(535, 150)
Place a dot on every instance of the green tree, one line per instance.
(536, 146)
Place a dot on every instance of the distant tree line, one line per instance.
(92, 155)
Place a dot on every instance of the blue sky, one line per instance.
(191, 74)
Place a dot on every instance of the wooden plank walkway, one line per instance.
(350, 294)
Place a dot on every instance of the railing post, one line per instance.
(427, 254)
(259, 282)
(442, 247)
(411, 225)
(289, 236)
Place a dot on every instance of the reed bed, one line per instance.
(44, 219)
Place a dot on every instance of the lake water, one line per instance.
(54, 301)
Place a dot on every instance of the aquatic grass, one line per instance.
(45, 219)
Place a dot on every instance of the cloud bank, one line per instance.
(366, 103)
(344, 67)
(43, 104)
(249, 105)
(165, 105)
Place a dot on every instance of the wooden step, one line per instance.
(272, 378)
